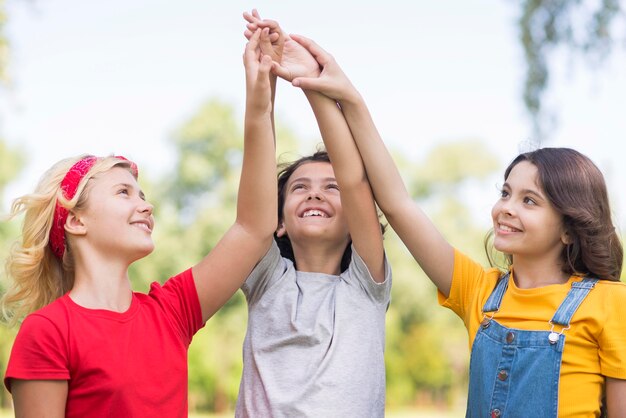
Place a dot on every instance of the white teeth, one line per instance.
(506, 228)
(314, 212)
(143, 226)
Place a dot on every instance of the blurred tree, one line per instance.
(583, 27)
(11, 163)
(426, 353)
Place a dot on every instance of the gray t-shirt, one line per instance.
(315, 342)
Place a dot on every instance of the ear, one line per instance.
(565, 238)
(281, 231)
(74, 224)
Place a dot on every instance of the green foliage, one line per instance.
(584, 27)
(6, 341)
(449, 165)
(426, 355)
(11, 163)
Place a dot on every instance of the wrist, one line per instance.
(351, 98)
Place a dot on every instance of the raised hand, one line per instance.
(291, 60)
(332, 81)
(272, 38)
(296, 62)
(258, 88)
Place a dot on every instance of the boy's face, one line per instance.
(312, 208)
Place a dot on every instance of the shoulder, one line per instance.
(611, 291)
(181, 280)
(466, 268)
(56, 314)
(272, 268)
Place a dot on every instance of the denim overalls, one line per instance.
(515, 373)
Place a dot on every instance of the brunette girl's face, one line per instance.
(312, 207)
(524, 221)
(117, 219)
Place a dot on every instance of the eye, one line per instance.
(297, 186)
(529, 201)
(504, 193)
(123, 190)
(333, 186)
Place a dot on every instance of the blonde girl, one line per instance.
(89, 345)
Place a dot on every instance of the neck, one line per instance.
(319, 257)
(101, 283)
(530, 274)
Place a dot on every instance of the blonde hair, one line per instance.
(37, 276)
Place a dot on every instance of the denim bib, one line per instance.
(515, 373)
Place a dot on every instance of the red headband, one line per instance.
(69, 185)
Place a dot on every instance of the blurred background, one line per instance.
(457, 89)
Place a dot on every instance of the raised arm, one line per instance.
(225, 268)
(429, 248)
(356, 195)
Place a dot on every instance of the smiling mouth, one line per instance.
(314, 212)
(505, 228)
(143, 225)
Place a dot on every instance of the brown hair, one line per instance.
(576, 189)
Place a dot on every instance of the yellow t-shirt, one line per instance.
(595, 343)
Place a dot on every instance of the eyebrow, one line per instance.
(527, 191)
(308, 180)
(130, 186)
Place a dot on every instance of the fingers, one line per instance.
(320, 55)
(281, 71)
(251, 52)
(265, 42)
(252, 17)
(264, 68)
(307, 83)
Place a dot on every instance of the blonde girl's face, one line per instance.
(312, 207)
(524, 221)
(117, 219)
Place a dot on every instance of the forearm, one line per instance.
(356, 195)
(273, 80)
(256, 199)
(386, 182)
(342, 150)
(429, 248)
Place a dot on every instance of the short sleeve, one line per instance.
(379, 292)
(612, 340)
(466, 279)
(271, 268)
(179, 299)
(39, 352)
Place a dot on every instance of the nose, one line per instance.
(314, 194)
(507, 207)
(146, 207)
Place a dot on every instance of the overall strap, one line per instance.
(572, 301)
(493, 303)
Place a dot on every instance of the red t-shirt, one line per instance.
(131, 364)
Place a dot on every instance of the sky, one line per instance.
(121, 76)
